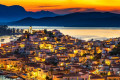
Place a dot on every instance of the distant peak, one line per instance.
(28, 18)
(16, 6)
(3, 5)
(11, 6)
(43, 11)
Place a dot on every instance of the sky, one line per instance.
(66, 6)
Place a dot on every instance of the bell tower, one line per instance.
(30, 29)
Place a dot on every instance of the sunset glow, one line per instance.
(56, 5)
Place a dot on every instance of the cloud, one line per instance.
(72, 10)
(115, 11)
(49, 6)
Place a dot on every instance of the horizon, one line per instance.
(62, 12)
(15, 11)
(64, 7)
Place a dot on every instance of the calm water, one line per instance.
(3, 78)
(85, 33)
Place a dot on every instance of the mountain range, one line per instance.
(79, 19)
(17, 16)
(16, 12)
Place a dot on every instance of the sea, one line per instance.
(83, 33)
(2, 77)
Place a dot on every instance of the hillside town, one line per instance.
(51, 55)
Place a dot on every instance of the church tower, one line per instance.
(30, 29)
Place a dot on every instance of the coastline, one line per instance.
(87, 34)
(7, 38)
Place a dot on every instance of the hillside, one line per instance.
(16, 12)
(82, 19)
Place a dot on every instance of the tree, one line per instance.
(47, 78)
(16, 51)
(45, 31)
(4, 30)
(51, 34)
(116, 50)
(52, 60)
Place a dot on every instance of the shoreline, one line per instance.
(62, 27)
(88, 34)
(7, 38)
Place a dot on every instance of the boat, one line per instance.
(14, 77)
(11, 75)
(14, 36)
(2, 40)
(3, 73)
(11, 37)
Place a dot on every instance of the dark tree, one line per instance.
(45, 31)
(116, 50)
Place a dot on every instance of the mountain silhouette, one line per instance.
(79, 19)
(16, 12)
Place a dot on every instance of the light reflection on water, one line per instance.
(3, 78)
(85, 33)
(7, 38)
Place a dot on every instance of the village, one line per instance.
(51, 55)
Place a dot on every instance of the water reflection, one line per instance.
(2, 77)
(85, 33)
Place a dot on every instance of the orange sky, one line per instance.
(69, 5)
